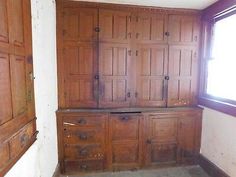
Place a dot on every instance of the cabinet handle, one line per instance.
(84, 167)
(83, 136)
(97, 29)
(167, 78)
(167, 33)
(149, 141)
(83, 152)
(136, 94)
(130, 35)
(128, 94)
(82, 121)
(124, 118)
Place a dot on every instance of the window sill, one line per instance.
(217, 105)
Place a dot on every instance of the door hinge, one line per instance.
(97, 29)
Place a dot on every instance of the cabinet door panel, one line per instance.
(18, 84)
(16, 21)
(151, 28)
(80, 62)
(114, 26)
(151, 70)
(5, 89)
(3, 21)
(184, 29)
(183, 66)
(114, 64)
(79, 24)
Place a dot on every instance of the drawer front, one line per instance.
(4, 155)
(163, 129)
(125, 153)
(18, 143)
(163, 153)
(92, 151)
(84, 120)
(81, 136)
(124, 127)
(84, 166)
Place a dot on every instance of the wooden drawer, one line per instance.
(81, 136)
(91, 151)
(163, 153)
(21, 140)
(84, 165)
(124, 127)
(163, 129)
(85, 120)
(4, 155)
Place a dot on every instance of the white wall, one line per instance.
(41, 159)
(219, 140)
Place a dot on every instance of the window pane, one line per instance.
(222, 67)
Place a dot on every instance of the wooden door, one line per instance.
(184, 29)
(151, 69)
(125, 132)
(161, 139)
(79, 57)
(186, 139)
(114, 73)
(182, 84)
(151, 28)
(17, 113)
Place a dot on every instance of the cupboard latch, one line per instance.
(97, 29)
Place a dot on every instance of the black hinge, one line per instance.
(97, 29)
(167, 33)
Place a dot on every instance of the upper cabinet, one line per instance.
(183, 29)
(127, 58)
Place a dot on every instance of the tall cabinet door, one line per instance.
(114, 58)
(80, 57)
(151, 68)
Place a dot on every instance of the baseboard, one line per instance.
(210, 167)
(57, 171)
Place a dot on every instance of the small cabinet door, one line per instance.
(161, 139)
(184, 29)
(151, 68)
(125, 141)
(186, 139)
(114, 81)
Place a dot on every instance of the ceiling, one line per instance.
(189, 4)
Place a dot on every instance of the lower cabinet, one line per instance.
(111, 140)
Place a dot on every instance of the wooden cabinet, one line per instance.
(125, 150)
(125, 141)
(111, 57)
(17, 112)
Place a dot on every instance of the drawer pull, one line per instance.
(83, 136)
(124, 118)
(84, 167)
(82, 121)
(83, 152)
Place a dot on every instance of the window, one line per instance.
(218, 76)
(221, 81)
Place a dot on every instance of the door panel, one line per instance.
(80, 62)
(151, 70)
(5, 89)
(183, 29)
(114, 26)
(79, 24)
(3, 21)
(151, 28)
(183, 76)
(18, 84)
(114, 64)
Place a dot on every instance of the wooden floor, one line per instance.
(190, 171)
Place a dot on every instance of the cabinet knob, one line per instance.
(167, 78)
(83, 152)
(83, 136)
(82, 121)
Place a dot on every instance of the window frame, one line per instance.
(217, 103)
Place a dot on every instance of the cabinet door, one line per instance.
(184, 29)
(161, 139)
(182, 84)
(151, 68)
(186, 139)
(115, 26)
(125, 141)
(114, 73)
(151, 28)
(81, 85)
